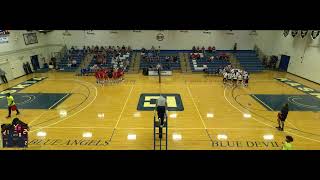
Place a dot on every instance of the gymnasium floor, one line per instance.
(210, 110)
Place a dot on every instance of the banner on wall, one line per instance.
(294, 33)
(303, 33)
(314, 34)
(286, 33)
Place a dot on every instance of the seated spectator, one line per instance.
(150, 54)
(175, 59)
(74, 63)
(153, 49)
(198, 50)
(193, 56)
(198, 56)
(72, 48)
(203, 49)
(209, 49)
(193, 49)
(69, 64)
(213, 49)
(211, 58)
(167, 58)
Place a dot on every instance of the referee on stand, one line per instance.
(161, 110)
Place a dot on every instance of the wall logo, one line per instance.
(160, 37)
(147, 102)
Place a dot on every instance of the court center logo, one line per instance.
(147, 102)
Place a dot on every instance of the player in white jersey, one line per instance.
(239, 76)
(225, 76)
(234, 79)
(229, 77)
(246, 79)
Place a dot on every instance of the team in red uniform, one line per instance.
(109, 75)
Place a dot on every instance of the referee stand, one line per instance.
(158, 130)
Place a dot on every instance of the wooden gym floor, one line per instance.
(109, 113)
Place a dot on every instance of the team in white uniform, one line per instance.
(235, 76)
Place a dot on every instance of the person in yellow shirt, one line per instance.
(287, 145)
(11, 105)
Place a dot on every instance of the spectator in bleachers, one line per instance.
(143, 50)
(235, 47)
(198, 50)
(72, 48)
(74, 63)
(209, 49)
(213, 49)
(193, 49)
(203, 49)
(167, 58)
(211, 58)
(193, 56)
(198, 56)
(175, 59)
(153, 49)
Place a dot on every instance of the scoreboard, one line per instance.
(15, 135)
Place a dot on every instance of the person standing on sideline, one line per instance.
(11, 105)
(282, 115)
(3, 76)
(287, 145)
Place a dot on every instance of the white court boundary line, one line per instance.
(96, 94)
(265, 123)
(59, 100)
(144, 128)
(124, 106)
(204, 125)
(262, 102)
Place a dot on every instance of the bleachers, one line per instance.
(249, 61)
(109, 62)
(77, 55)
(165, 65)
(198, 65)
